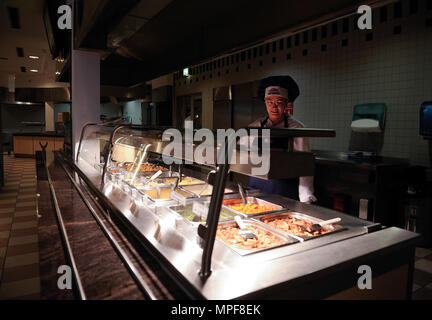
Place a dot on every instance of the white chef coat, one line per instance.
(306, 184)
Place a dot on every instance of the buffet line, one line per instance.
(188, 198)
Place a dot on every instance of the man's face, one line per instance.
(275, 108)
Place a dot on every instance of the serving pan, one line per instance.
(268, 218)
(229, 200)
(188, 213)
(260, 230)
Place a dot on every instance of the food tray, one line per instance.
(123, 164)
(237, 200)
(155, 196)
(115, 174)
(184, 197)
(300, 216)
(187, 213)
(282, 237)
(141, 183)
(203, 190)
(129, 169)
(190, 181)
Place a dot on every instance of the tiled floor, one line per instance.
(422, 289)
(19, 252)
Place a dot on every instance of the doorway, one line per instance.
(189, 107)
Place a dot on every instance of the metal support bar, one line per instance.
(108, 156)
(64, 237)
(81, 137)
(121, 253)
(215, 206)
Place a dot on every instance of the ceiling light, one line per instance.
(34, 70)
(33, 57)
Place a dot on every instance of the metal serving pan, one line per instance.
(142, 184)
(192, 216)
(115, 174)
(156, 196)
(203, 190)
(330, 229)
(284, 238)
(190, 181)
(183, 197)
(229, 200)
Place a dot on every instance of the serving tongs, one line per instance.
(144, 156)
(244, 232)
(318, 226)
(153, 177)
(242, 193)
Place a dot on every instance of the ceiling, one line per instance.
(159, 37)
(142, 40)
(31, 37)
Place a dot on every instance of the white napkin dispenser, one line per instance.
(365, 125)
(369, 117)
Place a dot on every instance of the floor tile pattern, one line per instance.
(19, 251)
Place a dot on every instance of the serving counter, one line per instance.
(26, 144)
(186, 232)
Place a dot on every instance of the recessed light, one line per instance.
(34, 70)
(33, 57)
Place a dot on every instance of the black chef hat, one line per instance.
(280, 81)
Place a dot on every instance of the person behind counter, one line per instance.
(279, 93)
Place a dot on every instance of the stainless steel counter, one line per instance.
(261, 274)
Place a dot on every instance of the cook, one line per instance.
(279, 94)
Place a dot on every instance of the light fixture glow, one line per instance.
(186, 72)
(57, 72)
(33, 57)
(34, 70)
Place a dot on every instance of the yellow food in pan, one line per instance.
(187, 181)
(250, 208)
(165, 193)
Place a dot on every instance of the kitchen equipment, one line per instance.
(242, 193)
(231, 202)
(426, 125)
(292, 223)
(268, 238)
(143, 157)
(157, 174)
(197, 212)
(369, 117)
(426, 119)
(318, 226)
(244, 232)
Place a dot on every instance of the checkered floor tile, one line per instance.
(422, 288)
(19, 251)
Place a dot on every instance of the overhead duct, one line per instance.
(43, 94)
(115, 94)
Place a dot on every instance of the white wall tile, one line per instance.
(395, 69)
